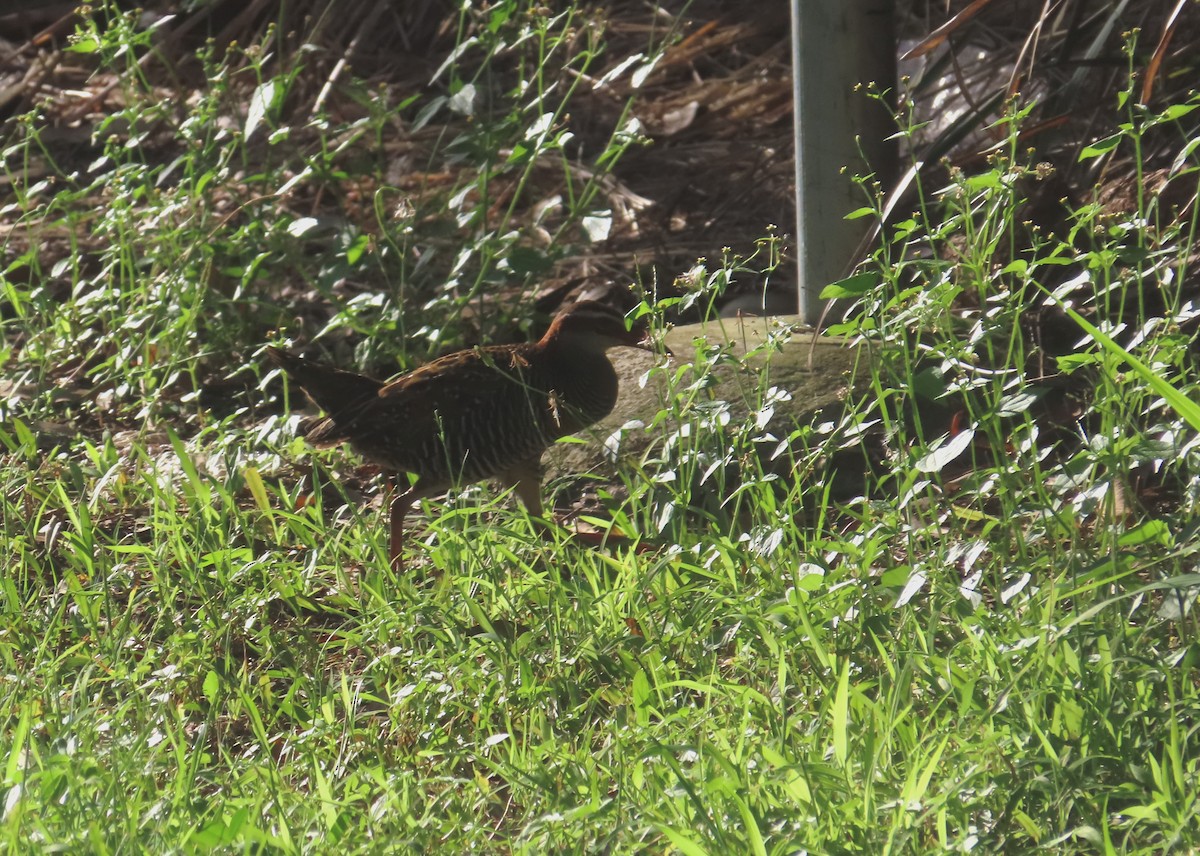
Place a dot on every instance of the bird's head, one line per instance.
(596, 326)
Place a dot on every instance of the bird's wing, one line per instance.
(409, 409)
(476, 375)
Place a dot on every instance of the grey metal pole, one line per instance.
(837, 45)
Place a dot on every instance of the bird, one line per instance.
(477, 414)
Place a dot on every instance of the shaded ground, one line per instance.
(715, 171)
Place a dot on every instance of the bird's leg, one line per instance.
(526, 481)
(399, 506)
(402, 502)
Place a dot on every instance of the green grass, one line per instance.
(198, 653)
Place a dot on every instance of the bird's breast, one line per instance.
(581, 395)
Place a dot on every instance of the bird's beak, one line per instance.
(646, 343)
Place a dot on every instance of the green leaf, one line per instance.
(358, 246)
(85, 45)
(641, 697)
(757, 846)
(15, 763)
(1180, 403)
(1100, 147)
(212, 683)
(936, 459)
(931, 769)
(1150, 532)
(262, 99)
(1176, 111)
(257, 489)
(301, 226)
(520, 154)
(841, 715)
(1070, 362)
(895, 577)
(984, 181)
(851, 286)
(929, 384)
(1018, 402)
(682, 843)
(903, 229)
(199, 486)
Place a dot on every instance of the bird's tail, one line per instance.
(339, 393)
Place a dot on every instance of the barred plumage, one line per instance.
(480, 413)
